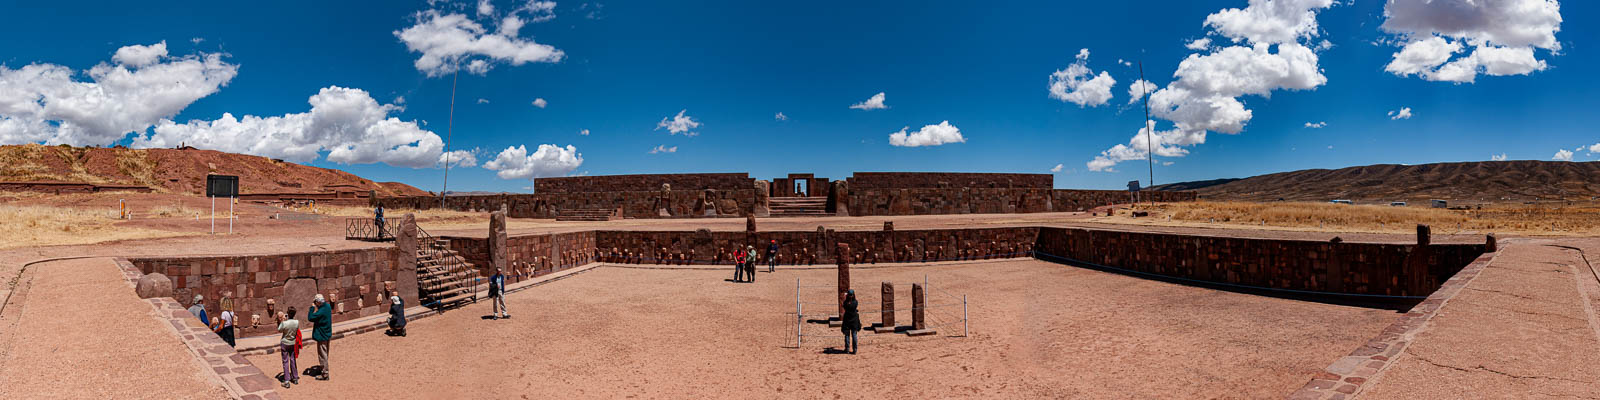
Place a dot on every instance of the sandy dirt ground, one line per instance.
(82, 333)
(1524, 328)
(1038, 330)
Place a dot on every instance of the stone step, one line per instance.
(448, 294)
(457, 298)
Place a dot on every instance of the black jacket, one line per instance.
(397, 315)
(852, 319)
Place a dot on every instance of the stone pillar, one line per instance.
(750, 224)
(888, 305)
(763, 192)
(1416, 269)
(843, 256)
(1488, 244)
(498, 252)
(406, 264)
(839, 196)
(888, 226)
(917, 302)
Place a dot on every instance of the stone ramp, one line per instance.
(1523, 327)
(81, 332)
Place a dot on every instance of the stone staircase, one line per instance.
(798, 206)
(587, 214)
(443, 278)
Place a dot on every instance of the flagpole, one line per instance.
(449, 134)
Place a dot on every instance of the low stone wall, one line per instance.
(642, 182)
(677, 203)
(69, 187)
(814, 247)
(871, 202)
(1066, 200)
(948, 180)
(353, 280)
(530, 255)
(1321, 267)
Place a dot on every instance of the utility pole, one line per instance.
(1150, 154)
(450, 133)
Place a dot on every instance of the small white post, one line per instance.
(799, 317)
(965, 326)
(230, 215)
(213, 214)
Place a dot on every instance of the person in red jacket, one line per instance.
(738, 265)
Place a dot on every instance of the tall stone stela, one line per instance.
(844, 274)
(498, 251)
(406, 272)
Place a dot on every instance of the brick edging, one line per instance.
(241, 378)
(1353, 373)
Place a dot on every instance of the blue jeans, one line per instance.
(851, 342)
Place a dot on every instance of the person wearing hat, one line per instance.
(198, 309)
(750, 263)
(397, 317)
(772, 256)
(321, 317)
(851, 323)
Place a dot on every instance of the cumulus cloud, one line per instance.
(459, 158)
(450, 42)
(929, 135)
(483, 101)
(1501, 34)
(679, 124)
(1497, 157)
(346, 123)
(1138, 89)
(1079, 85)
(1056, 168)
(779, 116)
(872, 103)
(47, 103)
(664, 149)
(1563, 155)
(1199, 44)
(549, 160)
(539, 102)
(1595, 148)
(1271, 51)
(1402, 113)
(485, 8)
(584, 132)
(1316, 125)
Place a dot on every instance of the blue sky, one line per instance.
(618, 69)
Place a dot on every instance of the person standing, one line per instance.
(750, 263)
(198, 309)
(224, 325)
(852, 323)
(497, 291)
(738, 264)
(377, 218)
(321, 318)
(772, 256)
(289, 328)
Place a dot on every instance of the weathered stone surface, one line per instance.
(918, 301)
(153, 286)
(844, 273)
(298, 293)
(888, 304)
(498, 250)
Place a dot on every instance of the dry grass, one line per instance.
(28, 226)
(434, 216)
(1560, 219)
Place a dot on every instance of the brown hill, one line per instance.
(1485, 181)
(175, 170)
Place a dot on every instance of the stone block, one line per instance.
(888, 305)
(153, 286)
(918, 301)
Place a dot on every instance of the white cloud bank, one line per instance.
(549, 160)
(929, 135)
(872, 103)
(1079, 85)
(1501, 34)
(47, 103)
(1270, 52)
(449, 42)
(679, 124)
(1563, 155)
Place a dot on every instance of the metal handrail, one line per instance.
(357, 228)
(453, 262)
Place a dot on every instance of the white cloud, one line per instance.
(1138, 89)
(1563, 155)
(1271, 52)
(1056, 168)
(1079, 85)
(197, 40)
(1502, 35)
(1199, 44)
(346, 123)
(459, 158)
(664, 149)
(872, 103)
(539, 102)
(1402, 113)
(779, 116)
(399, 100)
(449, 42)
(485, 8)
(584, 132)
(483, 101)
(139, 56)
(1316, 125)
(1498, 157)
(47, 103)
(549, 160)
(679, 124)
(1124, 63)
(1595, 148)
(929, 135)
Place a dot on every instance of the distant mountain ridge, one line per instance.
(1480, 181)
(178, 170)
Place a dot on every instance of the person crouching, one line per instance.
(397, 317)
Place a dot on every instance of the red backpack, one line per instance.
(297, 343)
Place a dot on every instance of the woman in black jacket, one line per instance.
(852, 323)
(397, 317)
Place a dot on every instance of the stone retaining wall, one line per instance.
(353, 280)
(948, 180)
(813, 247)
(642, 182)
(530, 255)
(638, 204)
(1066, 200)
(925, 201)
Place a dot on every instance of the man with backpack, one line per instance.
(497, 287)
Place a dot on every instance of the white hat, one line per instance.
(394, 299)
(319, 298)
(197, 298)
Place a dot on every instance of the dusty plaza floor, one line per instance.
(1038, 330)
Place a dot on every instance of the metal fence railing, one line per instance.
(431, 247)
(368, 229)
